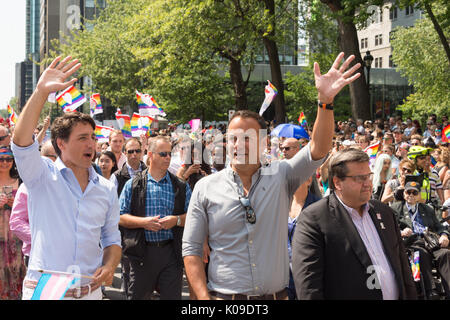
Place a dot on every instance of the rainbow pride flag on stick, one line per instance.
(102, 133)
(124, 123)
(148, 106)
(53, 286)
(270, 92)
(415, 266)
(70, 99)
(96, 104)
(446, 134)
(372, 150)
(302, 120)
(140, 124)
(12, 117)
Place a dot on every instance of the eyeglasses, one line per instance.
(4, 137)
(164, 154)
(286, 148)
(412, 192)
(134, 151)
(361, 178)
(50, 156)
(249, 212)
(407, 170)
(9, 160)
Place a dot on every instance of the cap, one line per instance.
(412, 185)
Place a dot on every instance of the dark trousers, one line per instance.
(158, 269)
(125, 264)
(442, 257)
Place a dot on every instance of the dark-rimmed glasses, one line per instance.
(9, 160)
(4, 137)
(164, 154)
(407, 170)
(412, 192)
(249, 212)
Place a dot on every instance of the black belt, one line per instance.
(159, 243)
(281, 295)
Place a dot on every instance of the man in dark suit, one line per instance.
(347, 246)
(413, 217)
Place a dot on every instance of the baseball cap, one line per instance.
(412, 185)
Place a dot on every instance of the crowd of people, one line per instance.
(244, 215)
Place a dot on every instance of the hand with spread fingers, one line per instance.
(54, 77)
(329, 84)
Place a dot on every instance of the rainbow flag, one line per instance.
(102, 133)
(148, 106)
(415, 266)
(70, 99)
(96, 104)
(195, 124)
(302, 120)
(140, 124)
(433, 162)
(446, 133)
(270, 92)
(372, 150)
(124, 123)
(12, 117)
(53, 286)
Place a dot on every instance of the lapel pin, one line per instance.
(378, 216)
(382, 225)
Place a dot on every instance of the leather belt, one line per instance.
(281, 295)
(76, 293)
(159, 243)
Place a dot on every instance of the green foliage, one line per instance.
(422, 60)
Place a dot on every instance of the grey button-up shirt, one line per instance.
(246, 258)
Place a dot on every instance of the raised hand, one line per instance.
(329, 84)
(54, 77)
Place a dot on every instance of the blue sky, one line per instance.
(12, 26)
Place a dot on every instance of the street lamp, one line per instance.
(368, 58)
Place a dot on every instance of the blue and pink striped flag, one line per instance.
(53, 286)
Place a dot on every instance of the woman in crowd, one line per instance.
(382, 173)
(12, 268)
(108, 164)
(405, 167)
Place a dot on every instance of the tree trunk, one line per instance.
(239, 86)
(275, 67)
(438, 29)
(359, 89)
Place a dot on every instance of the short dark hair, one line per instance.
(338, 163)
(249, 114)
(133, 139)
(62, 127)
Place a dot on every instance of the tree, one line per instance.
(424, 62)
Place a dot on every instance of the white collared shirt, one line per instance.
(371, 239)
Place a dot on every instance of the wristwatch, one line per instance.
(325, 106)
(178, 221)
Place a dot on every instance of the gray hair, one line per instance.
(154, 140)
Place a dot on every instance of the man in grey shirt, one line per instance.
(243, 210)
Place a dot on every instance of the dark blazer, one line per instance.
(427, 215)
(330, 261)
(122, 176)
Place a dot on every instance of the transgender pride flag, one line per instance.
(53, 286)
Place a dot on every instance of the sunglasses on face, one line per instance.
(4, 137)
(407, 170)
(249, 212)
(286, 148)
(9, 160)
(134, 151)
(412, 192)
(164, 154)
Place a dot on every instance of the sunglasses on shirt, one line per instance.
(249, 212)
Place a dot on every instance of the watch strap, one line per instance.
(325, 105)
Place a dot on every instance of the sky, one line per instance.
(12, 29)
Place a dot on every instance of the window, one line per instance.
(364, 43)
(378, 39)
(379, 62)
(391, 62)
(393, 13)
(409, 10)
